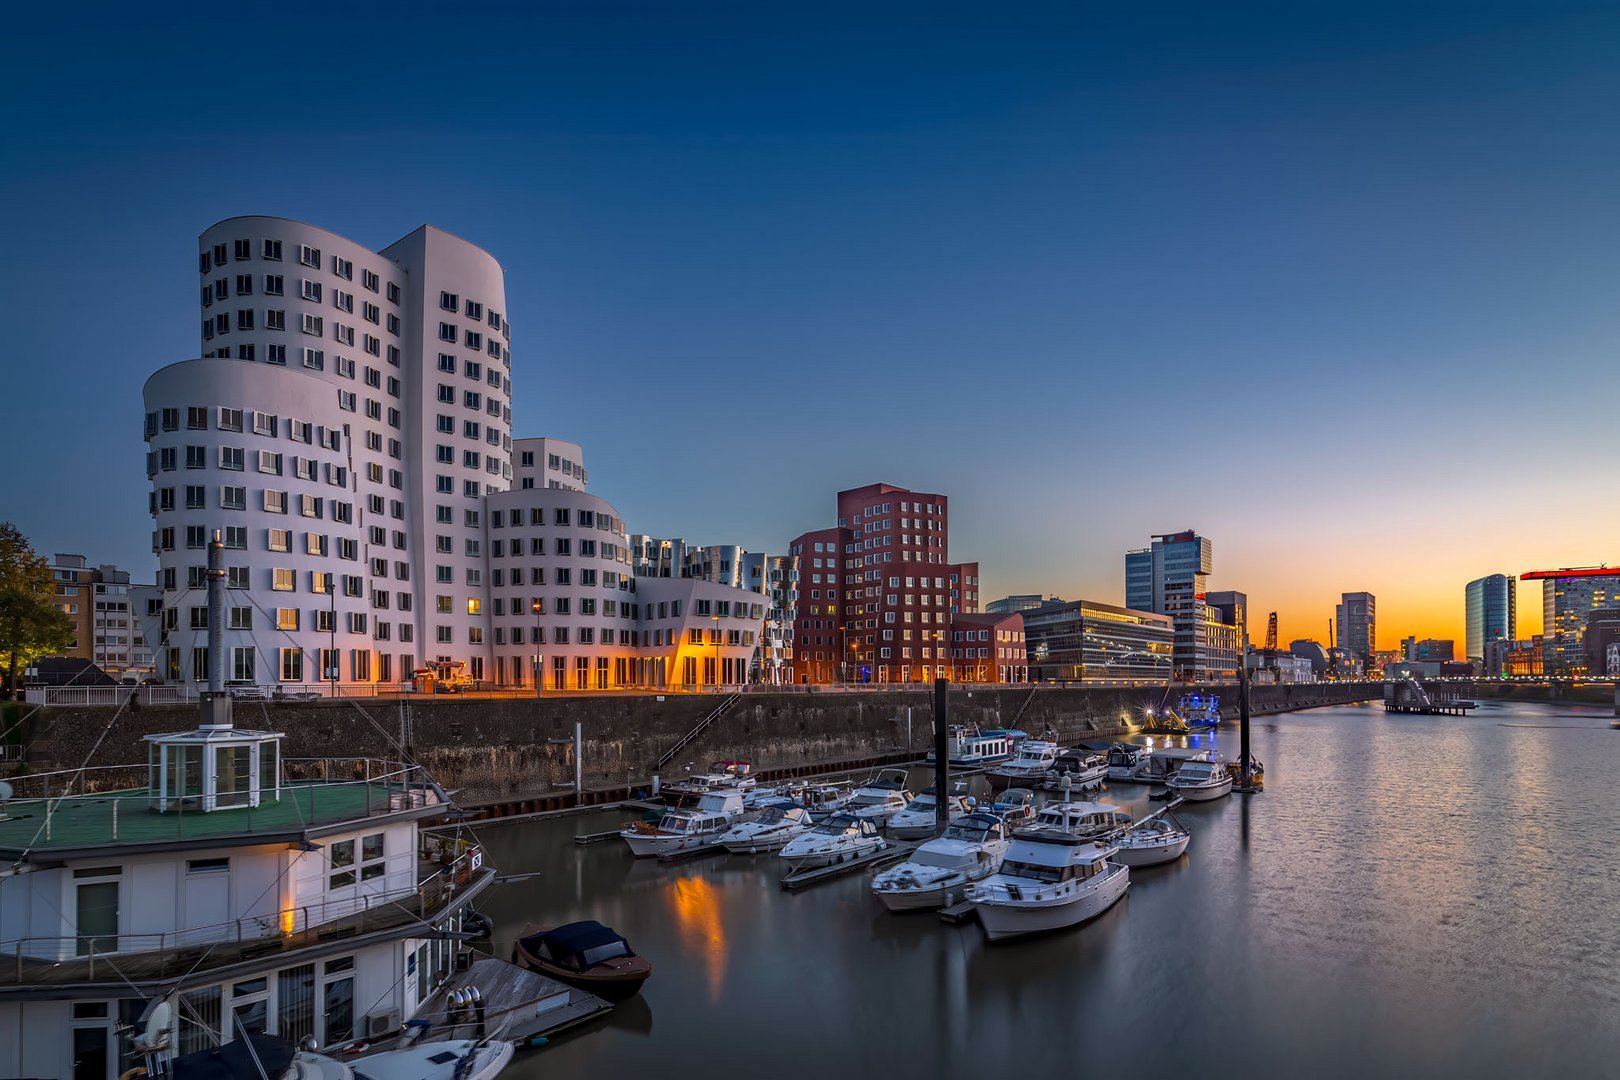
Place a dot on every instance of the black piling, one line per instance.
(942, 756)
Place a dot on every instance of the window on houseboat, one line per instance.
(1032, 871)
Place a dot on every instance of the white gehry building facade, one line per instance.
(347, 430)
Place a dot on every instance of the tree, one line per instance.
(30, 624)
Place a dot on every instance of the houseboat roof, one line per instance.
(124, 820)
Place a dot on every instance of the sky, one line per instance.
(1333, 285)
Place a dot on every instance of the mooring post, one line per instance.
(942, 756)
(579, 765)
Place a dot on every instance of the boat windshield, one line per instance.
(972, 831)
(610, 950)
(672, 823)
(1032, 871)
(944, 860)
(1194, 771)
(921, 803)
(771, 814)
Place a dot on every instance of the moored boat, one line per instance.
(970, 748)
(1015, 806)
(776, 824)
(683, 829)
(1049, 880)
(1152, 842)
(918, 818)
(936, 873)
(880, 797)
(1201, 780)
(840, 839)
(1080, 768)
(1087, 820)
(1123, 759)
(585, 954)
(1035, 758)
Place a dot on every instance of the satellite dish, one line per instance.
(158, 1018)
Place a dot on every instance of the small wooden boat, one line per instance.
(585, 954)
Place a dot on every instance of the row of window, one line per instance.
(270, 251)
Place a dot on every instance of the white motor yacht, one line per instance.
(1079, 767)
(825, 799)
(722, 776)
(1201, 780)
(936, 873)
(1124, 758)
(969, 748)
(1087, 820)
(257, 1057)
(880, 797)
(1035, 758)
(839, 839)
(682, 829)
(1159, 766)
(776, 824)
(1048, 881)
(917, 819)
(1159, 840)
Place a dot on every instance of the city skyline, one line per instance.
(1044, 242)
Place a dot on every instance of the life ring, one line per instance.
(133, 1074)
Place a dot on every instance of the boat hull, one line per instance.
(929, 899)
(613, 981)
(1201, 793)
(1003, 919)
(652, 845)
(1152, 854)
(757, 844)
(815, 860)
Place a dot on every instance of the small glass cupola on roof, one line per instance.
(213, 768)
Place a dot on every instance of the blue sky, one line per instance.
(1333, 285)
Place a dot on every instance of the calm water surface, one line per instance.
(1411, 896)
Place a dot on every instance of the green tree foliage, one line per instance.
(30, 624)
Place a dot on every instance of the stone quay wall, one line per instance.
(503, 749)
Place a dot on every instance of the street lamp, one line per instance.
(539, 666)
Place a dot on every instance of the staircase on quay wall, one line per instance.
(685, 740)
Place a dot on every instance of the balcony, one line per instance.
(267, 940)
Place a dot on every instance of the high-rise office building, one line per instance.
(1491, 614)
(1356, 621)
(1568, 597)
(1169, 578)
(1085, 641)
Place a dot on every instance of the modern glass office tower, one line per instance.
(1492, 614)
(1568, 597)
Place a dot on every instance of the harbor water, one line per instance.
(1411, 896)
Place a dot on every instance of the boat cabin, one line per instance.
(841, 824)
(1200, 772)
(968, 746)
(1081, 818)
(976, 828)
(1053, 857)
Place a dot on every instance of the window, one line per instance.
(343, 268)
(447, 332)
(314, 325)
(233, 498)
(370, 280)
(272, 250)
(292, 665)
(309, 256)
(449, 301)
(230, 457)
(275, 502)
(309, 290)
(281, 580)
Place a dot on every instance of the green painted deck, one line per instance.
(125, 818)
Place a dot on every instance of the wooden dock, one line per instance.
(691, 853)
(522, 1006)
(958, 913)
(802, 879)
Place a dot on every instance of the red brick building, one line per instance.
(878, 595)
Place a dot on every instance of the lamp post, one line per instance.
(539, 666)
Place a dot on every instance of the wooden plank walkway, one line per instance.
(959, 912)
(529, 1006)
(690, 853)
(892, 853)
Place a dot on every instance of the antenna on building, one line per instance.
(1271, 633)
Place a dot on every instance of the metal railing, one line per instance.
(160, 955)
(680, 744)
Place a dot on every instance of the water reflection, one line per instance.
(697, 914)
(1410, 896)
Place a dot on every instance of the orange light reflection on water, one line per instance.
(697, 917)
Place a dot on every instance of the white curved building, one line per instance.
(348, 430)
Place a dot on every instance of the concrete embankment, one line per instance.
(511, 750)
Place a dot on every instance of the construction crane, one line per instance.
(1271, 633)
